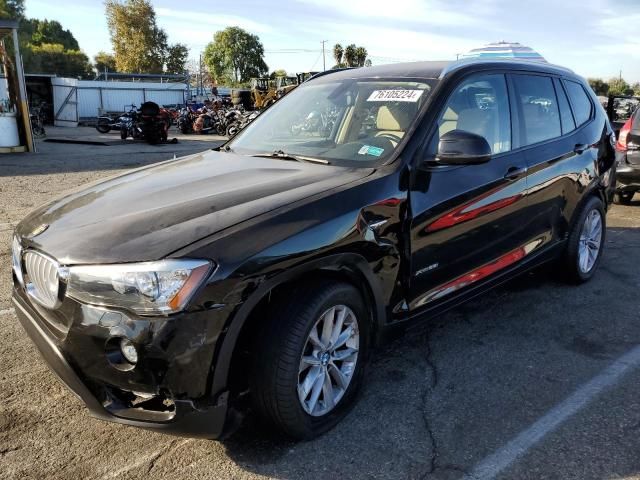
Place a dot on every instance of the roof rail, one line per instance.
(479, 61)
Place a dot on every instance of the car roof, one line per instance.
(440, 69)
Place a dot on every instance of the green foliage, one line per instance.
(281, 72)
(176, 58)
(12, 9)
(618, 86)
(235, 56)
(104, 61)
(338, 52)
(48, 31)
(139, 45)
(636, 89)
(599, 86)
(54, 58)
(351, 56)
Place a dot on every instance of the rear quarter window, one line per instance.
(580, 102)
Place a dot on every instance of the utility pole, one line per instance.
(324, 64)
(200, 83)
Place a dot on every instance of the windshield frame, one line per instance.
(431, 82)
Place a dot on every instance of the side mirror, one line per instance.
(459, 147)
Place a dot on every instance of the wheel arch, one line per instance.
(349, 267)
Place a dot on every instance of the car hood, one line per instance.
(151, 212)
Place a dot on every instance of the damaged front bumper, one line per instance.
(166, 390)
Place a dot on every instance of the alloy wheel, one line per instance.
(590, 241)
(328, 360)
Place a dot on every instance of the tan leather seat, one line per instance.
(394, 121)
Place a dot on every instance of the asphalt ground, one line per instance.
(534, 380)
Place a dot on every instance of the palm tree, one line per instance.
(361, 56)
(337, 54)
(350, 55)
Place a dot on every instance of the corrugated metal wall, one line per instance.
(96, 96)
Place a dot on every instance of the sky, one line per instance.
(595, 38)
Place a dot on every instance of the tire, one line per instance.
(123, 133)
(103, 125)
(276, 378)
(576, 269)
(623, 198)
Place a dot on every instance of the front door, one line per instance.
(468, 221)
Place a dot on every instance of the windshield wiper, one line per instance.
(288, 156)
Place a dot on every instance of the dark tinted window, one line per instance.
(537, 99)
(480, 105)
(568, 124)
(580, 102)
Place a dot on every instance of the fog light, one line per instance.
(129, 350)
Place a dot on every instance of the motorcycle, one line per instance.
(150, 123)
(37, 121)
(238, 120)
(186, 117)
(106, 123)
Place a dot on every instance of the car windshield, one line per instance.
(352, 122)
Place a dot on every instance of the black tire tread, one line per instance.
(280, 342)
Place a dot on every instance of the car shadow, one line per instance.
(453, 389)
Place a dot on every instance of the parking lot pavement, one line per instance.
(447, 400)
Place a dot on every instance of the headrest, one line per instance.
(393, 118)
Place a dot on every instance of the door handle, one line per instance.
(581, 148)
(515, 172)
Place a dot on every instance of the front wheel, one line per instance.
(310, 358)
(586, 241)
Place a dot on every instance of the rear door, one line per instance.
(559, 153)
(467, 221)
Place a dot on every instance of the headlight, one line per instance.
(148, 288)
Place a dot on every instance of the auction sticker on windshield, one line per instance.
(395, 96)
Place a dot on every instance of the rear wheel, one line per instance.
(309, 359)
(623, 198)
(586, 241)
(103, 125)
(123, 133)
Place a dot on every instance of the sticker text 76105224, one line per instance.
(395, 95)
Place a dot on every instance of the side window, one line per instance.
(537, 100)
(568, 123)
(479, 105)
(580, 101)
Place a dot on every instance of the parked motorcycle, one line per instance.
(186, 117)
(150, 123)
(107, 123)
(238, 121)
(36, 115)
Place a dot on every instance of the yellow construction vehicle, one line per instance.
(263, 91)
(285, 84)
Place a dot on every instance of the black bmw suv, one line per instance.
(260, 276)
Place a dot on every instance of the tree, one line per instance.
(281, 72)
(139, 45)
(618, 86)
(176, 58)
(636, 89)
(599, 86)
(235, 56)
(350, 55)
(338, 51)
(55, 59)
(367, 63)
(104, 61)
(361, 56)
(49, 31)
(12, 9)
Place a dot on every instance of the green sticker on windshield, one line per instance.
(369, 150)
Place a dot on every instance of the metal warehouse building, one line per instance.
(74, 100)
